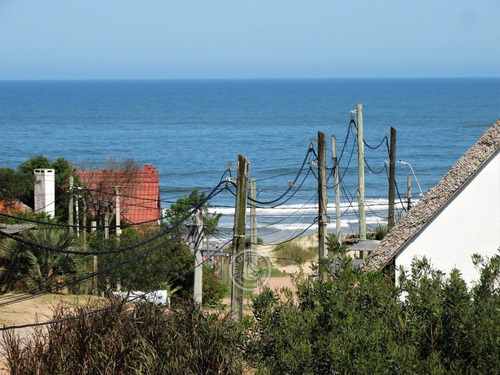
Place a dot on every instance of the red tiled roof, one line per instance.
(139, 191)
(10, 207)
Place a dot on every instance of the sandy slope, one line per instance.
(306, 241)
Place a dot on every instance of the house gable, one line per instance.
(469, 223)
(477, 161)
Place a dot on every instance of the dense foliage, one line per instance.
(179, 210)
(165, 262)
(361, 323)
(355, 323)
(33, 269)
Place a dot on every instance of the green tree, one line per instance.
(178, 211)
(63, 170)
(13, 185)
(164, 263)
(30, 268)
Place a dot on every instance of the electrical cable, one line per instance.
(311, 149)
(371, 170)
(118, 250)
(5, 328)
(376, 147)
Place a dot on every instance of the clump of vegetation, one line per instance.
(360, 322)
(213, 289)
(19, 184)
(33, 269)
(293, 253)
(139, 339)
(378, 233)
(354, 322)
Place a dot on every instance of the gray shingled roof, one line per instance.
(15, 228)
(437, 197)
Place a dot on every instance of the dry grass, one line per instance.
(39, 307)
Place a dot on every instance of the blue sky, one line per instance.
(143, 39)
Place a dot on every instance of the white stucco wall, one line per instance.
(468, 224)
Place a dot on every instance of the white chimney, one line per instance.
(45, 191)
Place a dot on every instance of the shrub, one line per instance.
(359, 323)
(213, 289)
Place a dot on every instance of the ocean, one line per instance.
(190, 130)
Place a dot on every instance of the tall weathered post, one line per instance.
(361, 174)
(392, 178)
(198, 258)
(238, 258)
(117, 211)
(93, 224)
(338, 233)
(71, 222)
(323, 203)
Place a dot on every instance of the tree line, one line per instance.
(28, 266)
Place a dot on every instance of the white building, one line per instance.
(45, 191)
(460, 216)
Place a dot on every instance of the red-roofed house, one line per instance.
(139, 192)
(10, 207)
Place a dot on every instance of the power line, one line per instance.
(118, 250)
(121, 303)
(290, 187)
(376, 147)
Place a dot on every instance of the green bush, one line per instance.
(378, 233)
(361, 323)
(213, 289)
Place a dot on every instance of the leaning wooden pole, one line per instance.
(392, 179)
(238, 258)
(323, 203)
(361, 173)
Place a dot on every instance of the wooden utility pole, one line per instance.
(93, 224)
(361, 174)
(323, 204)
(117, 211)
(408, 192)
(71, 204)
(84, 223)
(198, 259)
(239, 239)
(253, 217)
(77, 215)
(118, 229)
(338, 233)
(106, 219)
(392, 178)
